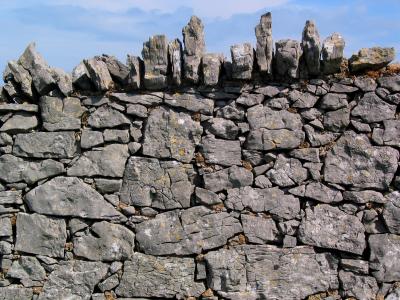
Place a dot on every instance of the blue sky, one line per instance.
(66, 31)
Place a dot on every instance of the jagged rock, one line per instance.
(11, 197)
(391, 83)
(105, 242)
(99, 74)
(269, 200)
(372, 109)
(166, 277)
(15, 72)
(322, 193)
(287, 58)
(108, 284)
(186, 232)
(242, 61)
(28, 270)
(328, 227)
(391, 134)
(15, 292)
(13, 107)
(158, 184)
(190, 102)
(61, 114)
(275, 273)
(223, 128)
(207, 197)
(108, 186)
(287, 172)
(371, 59)
(118, 71)
(332, 53)
(231, 112)
(363, 197)
(108, 161)
(259, 230)
(264, 48)
(384, 260)
(135, 66)
(221, 152)
(15, 169)
(169, 134)
(137, 110)
(150, 99)
(39, 234)
(308, 154)
(116, 136)
(317, 138)
(248, 100)
(302, 100)
(264, 117)
(38, 68)
(337, 120)
(20, 122)
(332, 101)
(355, 266)
(81, 77)
(391, 212)
(155, 57)
(193, 38)
(45, 144)
(394, 294)
(233, 177)
(360, 287)
(311, 47)
(212, 64)
(107, 117)
(366, 84)
(69, 196)
(64, 81)
(5, 227)
(73, 279)
(355, 162)
(91, 139)
(175, 56)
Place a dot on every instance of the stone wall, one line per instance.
(185, 176)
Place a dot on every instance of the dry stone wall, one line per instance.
(180, 175)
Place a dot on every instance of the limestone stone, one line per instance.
(311, 47)
(5, 227)
(81, 77)
(322, 193)
(221, 152)
(248, 100)
(206, 197)
(190, 102)
(20, 122)
(371, 59)
(358, 286)
(135, 67)
(15, 292)
(242, 61)
(118, 71)
(11, 197)
(332, 101)
(337, 120)
(287, 58)
(371, 109)
(107, 117)
(223, 128)
(332, 53)
(148, 99)
(318, 138)
(391, 83)
(99, 74)
(16, 73)
(155, 57)
(28, 270)
(64, 81)
(175, 56)
(233, 177)
(302, 100)
(15, 107)
(212, 65)
(287, 172)
(116, 136)
(307, 154)
(264, 48)
(259, 230)
(363, 197)
(391, 212)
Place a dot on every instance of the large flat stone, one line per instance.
(221, 152)
(190, 102)
(107, 117)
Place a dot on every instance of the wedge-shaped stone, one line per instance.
(45, 144)
(13, 107)
(265, 48)
(328, 227)
(221, 152)
(186, 232)
(99, 74)
(266, 139)
(355, 162)
(190, 102)
(107, 117)
(268, 272)
(20, 122)
(372, 109)
(233, 177)
(158, 184)
(311, 46)
(11, 197)
(14, 72)
(105, 242)
(175, 56)
(69, 196)
(28, 270)
(358, 286)
(322, 193)
(269, 200)
(212, 66)
(42, 235)
(287, 58)
(242, 61)
(108, 161)
(153, 277)
(155, 57)
(73, 279)
(371, 59)
(259, 230)
(169, 134)
(150, 99)
(15, 169)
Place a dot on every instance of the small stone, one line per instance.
(391, 83)
(108, 186)
(371, 59)
(242, 61)
(355, 265)
(80, 77)
(118, 71)
(107, 117)
(223, 128)
(322, 193)
(317, 138)
(287, 58)
(116, 135)
(337, 120)
(27, 268)
(363, 197)
(391, 212)
(302, 100)
(149, 99)
(16, 73)
(15, 292)
(11, 197)
(155, 57)
(248, 100)
(289, 241)
(5, 227)
(332, 53)
(206, 197)
(90, 139)
(64, 81)
(259, 230)
(13, 107)
(137, 110)
(332, 101)
(307, 154)
(287, 172)
(99, 74)
(109, 284)
(264, 48)
(190, 102)
(358, 286)
(20, 122)
(342, 88)
(366, 84)
(135, 66)
(233, 177)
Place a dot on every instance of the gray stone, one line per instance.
(14, 107)
(275, 273)
(393, 295)
(190, 102)
(366, 84)
(137, 110)
(91, 139)
(371, 109)
(337, 120)
(269, 200)
(166, 277)
(169, 134)
(11, 197)
(38, 68)
(186, 232)
(5, 227)
(262, 182)
(328, 227)
(391, 83)
(15, 292)
(371, 59)
(307, 154)
(264, 48)
(248, 100)
(155, 57)
(64, 81)
(360, 287)
(265, 139)
(332, 101)
(391, 212)
(356, 266)
(302, 100)
(212, 65)
(364, 197)
(175, 56)
(80, 77)
(108, 161)
(109, 284)
(317, 138)
(15, 169)
(353, 161)
(61, 114)
(360, 127)
(45, 144)
(39, 234)
(69, 196)
(155, 183)
(233, 177)
(391, 133)
(311, 47)
(150, 99)
(20, 122)
(259, 230)
(135, 66)
(14, 72)
(99, 74)
(107, 117)
(287, 58)
(73, 279)
(231, 112)
(287, 172)
(206, 197)
(221, 152)
(116, 135)
(343, 87)
(193, 38)
(118, 71)
(264, 117)
(223, 128)
(322, 193)
(105, 242)
(242, 61)
(289, 241)
(332, 53)
(384, 260)
(28, 270)
(108, 186)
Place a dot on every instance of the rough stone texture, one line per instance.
(328, 227)
(175, 56)
(263, 272)
(264, 48)
(190, 102)
(28, 270)
(287, 58)
(233, 177)
(242, 61)
(311, 46)
(371, 109)
(98, 74)
(212, 64)
(360, 287)
(221, 152)
(20, 122)
(391, 212)
(135, 65)
(15, 292)
(151, 276)
(155, 57)
(371, 59)
(332, 53)
(259, 230)
(107, 117)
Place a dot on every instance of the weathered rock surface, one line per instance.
(155, 57)
(175, 56)
(212, 64)
(391, 212)
(190, 102)
(242, 61)
(259, 230)
(16, 73)
(107, 117)
(28, 270)
(371, 109)
(287, 58)
(151, 276)
(360, 287)
(264, 48)
(328, 227)
(322, 193)
(311, 46)
(149, 99)
(221, 152)
(233, 177)
(20, 122)
(15, 292)
(371, 59)
(332, 53)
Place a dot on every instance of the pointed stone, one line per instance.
(135, 66)
(369, 59)
(332, 53)
(311, 48)
(175, 58)
(287, 57)
(118, 71)
(80, 77)
(64, 81)
(15, 72)
(193, 38)
(212, 64)
(264, 48)
(242, 61)
(99, 74)
(155, 57)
